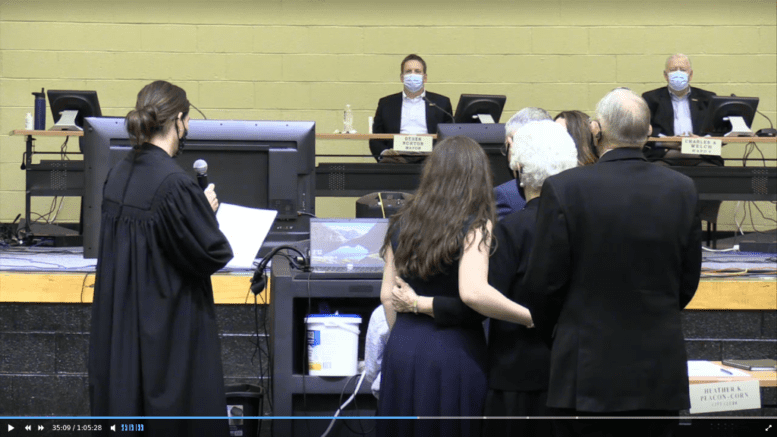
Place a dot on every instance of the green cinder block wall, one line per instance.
(307, 59)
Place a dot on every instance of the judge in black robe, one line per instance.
(154, 347)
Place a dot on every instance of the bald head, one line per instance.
(624, 118)
(678, 59)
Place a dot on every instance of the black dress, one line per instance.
(433, 371)
(154, 348)
(518, 358)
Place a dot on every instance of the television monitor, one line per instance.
(69, 108)
(258, 164)
(471, 106)
(717, 122)
(491, 138)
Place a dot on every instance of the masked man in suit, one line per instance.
(677, 109)
(413, 111)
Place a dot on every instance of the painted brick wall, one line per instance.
(305, 59)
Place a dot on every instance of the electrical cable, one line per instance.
(259, 284)
(382, 209)
(356, 406)
(337, 413)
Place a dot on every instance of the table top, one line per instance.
(766, 378)
(357, 136)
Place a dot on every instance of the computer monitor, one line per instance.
(491, 138)
(69, 108)
(729, 108)
(258, 164)
(472, 106)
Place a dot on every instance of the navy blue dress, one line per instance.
(433, 371)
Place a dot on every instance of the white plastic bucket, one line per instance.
(333, 344)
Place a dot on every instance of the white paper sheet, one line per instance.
(245, 229)
(706, 368)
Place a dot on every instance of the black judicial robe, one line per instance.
(154, 347)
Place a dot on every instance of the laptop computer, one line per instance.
(347, 247)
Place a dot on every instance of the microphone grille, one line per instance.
(200, 166)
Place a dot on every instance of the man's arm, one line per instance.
(547, 277)
(379, 127)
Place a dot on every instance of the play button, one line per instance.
(10, 428)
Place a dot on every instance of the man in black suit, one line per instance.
(677, 109)
(616, 256)
(413, 111)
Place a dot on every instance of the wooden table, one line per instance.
(766, 378)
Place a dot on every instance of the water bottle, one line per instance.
(40, 110)
(347, 120)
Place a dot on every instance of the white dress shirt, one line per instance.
(413, 115)
(683, 125)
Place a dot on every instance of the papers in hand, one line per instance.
(698, 368)
(245, 229)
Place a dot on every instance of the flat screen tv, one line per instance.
(258, 164)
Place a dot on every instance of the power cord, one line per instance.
(258, 284)
(337, 413)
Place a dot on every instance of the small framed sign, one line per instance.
(701, 146)
(413, 143)
(725, 396)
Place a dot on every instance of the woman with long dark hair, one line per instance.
(154, 347)
(578, 124)
(439, 242)
(518, 359)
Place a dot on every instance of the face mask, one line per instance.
(414, 82)
(678, 80)
(182, 140)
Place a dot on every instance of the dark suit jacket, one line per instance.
(616, 257)
(662, 120)
(518, 359)
(388, 118)
(508, 200)
(662, 112)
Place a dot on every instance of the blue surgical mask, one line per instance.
(678, 80)
(414, 82)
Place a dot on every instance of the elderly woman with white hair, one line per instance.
(518, 359)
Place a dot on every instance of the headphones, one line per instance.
(259, 280)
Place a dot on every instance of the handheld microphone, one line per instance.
(201, 168)
(435, 105)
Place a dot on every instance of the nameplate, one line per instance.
(725, 396)
(413, 143)
(701, 146)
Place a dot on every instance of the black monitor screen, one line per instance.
(85, 102)
(471, 105)
(721, 107)
(258, 164)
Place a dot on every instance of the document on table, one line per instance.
(698, 368)
(245, 229)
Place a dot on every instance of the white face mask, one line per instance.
(414, 82)
(678, 80)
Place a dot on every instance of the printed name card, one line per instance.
(701, 146)
(413, 143)
(725, 396)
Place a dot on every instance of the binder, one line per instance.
(767, 364)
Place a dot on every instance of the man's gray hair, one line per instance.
(675, 56)
(624, 118)
(523, 117)
(542, 149)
